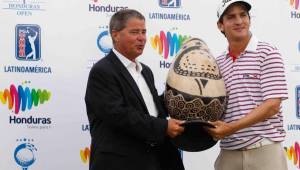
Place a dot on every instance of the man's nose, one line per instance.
(141, 36)
(238, 20)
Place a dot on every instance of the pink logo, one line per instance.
(294, 4)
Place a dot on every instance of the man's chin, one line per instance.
(137, 54)
(240, 36)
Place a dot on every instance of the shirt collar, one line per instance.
(251, 47)
(128, 63)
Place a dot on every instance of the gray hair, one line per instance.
(119, 20)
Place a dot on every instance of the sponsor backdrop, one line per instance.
(48, 47)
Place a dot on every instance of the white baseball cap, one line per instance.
(226, 3)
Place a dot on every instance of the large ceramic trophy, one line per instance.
(195, 92)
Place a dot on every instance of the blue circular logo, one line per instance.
(24, 155)
(104, 42)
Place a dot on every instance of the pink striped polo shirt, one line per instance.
(256, 75)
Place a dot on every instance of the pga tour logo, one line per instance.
(28, 42)
(170, 3)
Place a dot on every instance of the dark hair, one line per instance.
(119, 20)
(221, 18)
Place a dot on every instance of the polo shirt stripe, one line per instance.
(255, 76)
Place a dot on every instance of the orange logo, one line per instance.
(85, 155)
(293, 154)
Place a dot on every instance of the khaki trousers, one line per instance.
(268, 157)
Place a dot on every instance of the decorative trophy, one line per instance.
(195, 92)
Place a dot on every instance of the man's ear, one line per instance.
(115, 35)
(220, 26)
